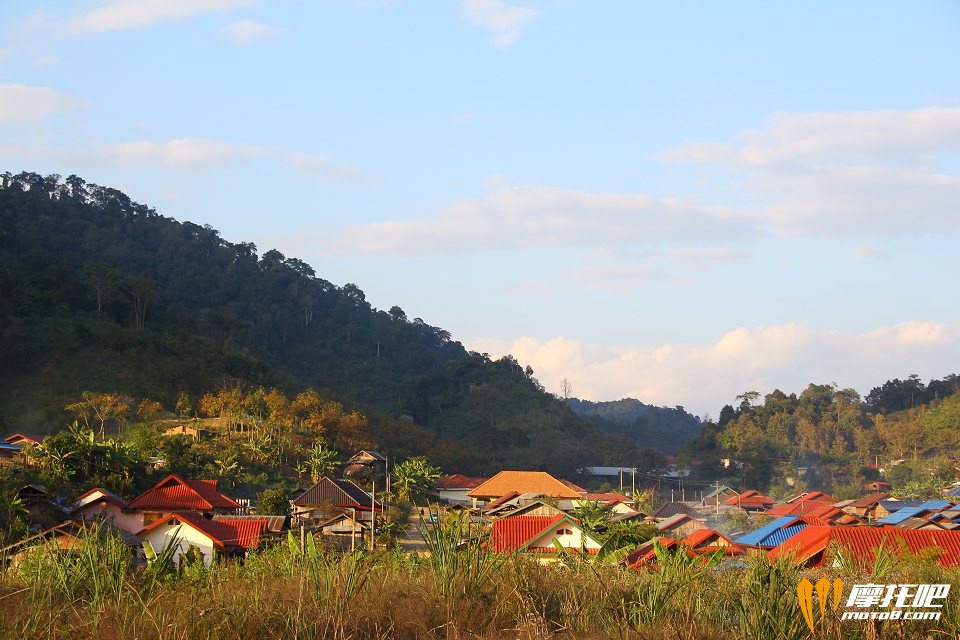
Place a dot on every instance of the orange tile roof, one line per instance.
(176, 494)
(752, 498)
(809, 545)
(523, 482)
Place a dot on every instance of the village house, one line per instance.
(175, 494)
(364, 463)
(680, 525)
(331, 497)
(454, 488)
(210, 538)
(195, 433)
(99, 504)
(542, 535)
(522, 482)
(751, 501)
(867, 507)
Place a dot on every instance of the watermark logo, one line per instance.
(873, 601)
(805, 594)
(899, 601)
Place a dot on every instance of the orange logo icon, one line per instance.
(805, 595)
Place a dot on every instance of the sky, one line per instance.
(673, 201)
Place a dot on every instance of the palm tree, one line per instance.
(321, 461)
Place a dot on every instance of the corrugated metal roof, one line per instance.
(759, 537)
(937, 505)
(868, 501)
(780, 536)
(810, 543)
(342, 493)
(900, 515)
(510, 534)
(896, 505)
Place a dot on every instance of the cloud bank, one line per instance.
(705, 377)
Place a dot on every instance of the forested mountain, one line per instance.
(100, 292)
(646, 425)
(831, 439)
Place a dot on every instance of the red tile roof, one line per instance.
(810, 544)
(573, 487)
(816, 496)
(176, 494)
(646, 553)
(223, 533)
(810, 508)
(751, 498)
(459, 481)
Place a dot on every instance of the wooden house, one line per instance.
(364, 463)
(331, 497)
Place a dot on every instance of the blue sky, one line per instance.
(674, 201)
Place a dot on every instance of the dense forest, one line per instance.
(100, 293)
(663, 428)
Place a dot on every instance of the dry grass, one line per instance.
(283, 594)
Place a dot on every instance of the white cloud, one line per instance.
(325, 169)
(182, 153)
(132, 14)
(245, 31)
(864, 173)
(880, 136)
(22, 103)
(506, 21)
(524, 217)
(705, 377)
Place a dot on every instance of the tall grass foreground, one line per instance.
(459, 590)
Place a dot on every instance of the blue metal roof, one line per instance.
(899, 516)
(936, 505)
(897, 505)
(758, 537)
(780, 535)
(6, 446)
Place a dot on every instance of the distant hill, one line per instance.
(645, 425)
(98, 292)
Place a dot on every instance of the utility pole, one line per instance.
(373, 511)
(716, 497)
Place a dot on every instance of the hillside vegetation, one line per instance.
(100, 293)
(831, 439)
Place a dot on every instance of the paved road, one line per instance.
(410, 538)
